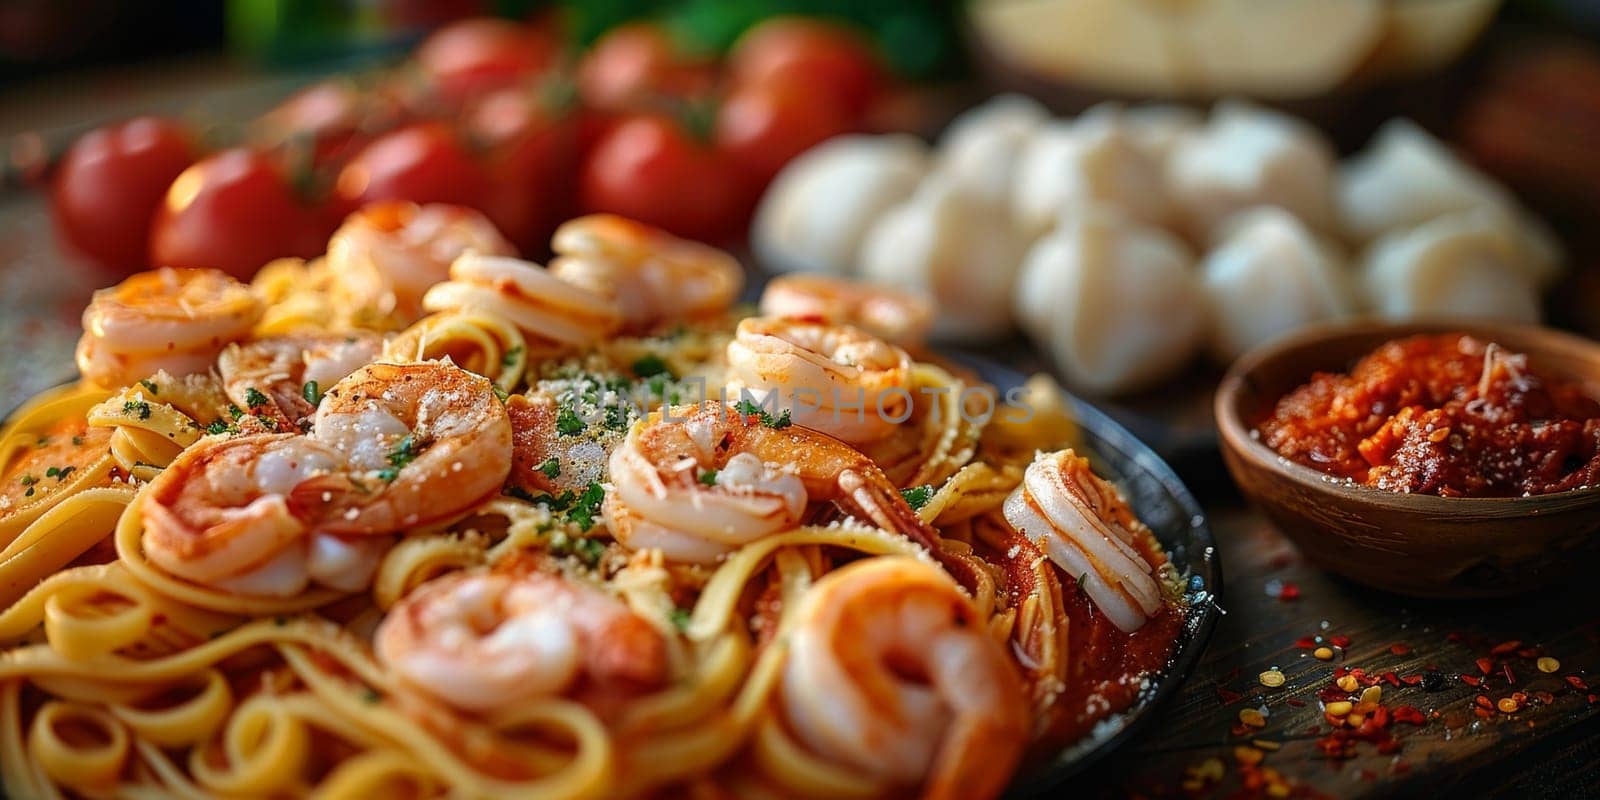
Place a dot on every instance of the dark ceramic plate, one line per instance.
(1163, 503)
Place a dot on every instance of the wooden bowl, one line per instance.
(1413, 544)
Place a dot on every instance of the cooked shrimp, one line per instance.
(422, 444)
(172, 319)
(892, 671)
(527, 294)
(1085, 526)
(651, 275)
(280, 370)
(834, 378)
(223, 512)
(698, 481)
(896, 315)
(535, 441)
(484, 640)
(387, 255)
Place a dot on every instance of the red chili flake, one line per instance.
(1545, 697)
(1520, 697)
(1471, 680)
(1400, 649)
(1594, 699)
(1408, 714)
(1483, 712)
(1511, 677)
(1389, 746)
(1296, 702)
(1306, 643)
(1393, 679)
(1411, 680)
(1528, 652)
(1380, 717)
(1332, 694)
(1577, 683)
(1228, 697)
(1453, 636)
(1505, 647)
(1484, 665)
(1240, 729)
(1340, 641)
(1370, 680)
(1483, 701)
(1290, 591)
(1339, 672)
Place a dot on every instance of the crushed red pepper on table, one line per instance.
(1450, 415)
(1356, 710)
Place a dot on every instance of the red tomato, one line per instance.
(423, 163)
(633, 62)
(110, 184)
(761, 126)
(532, 161)
(333, 116)
(473, 56)
(650, 169)
(816, 53)
(235, 211)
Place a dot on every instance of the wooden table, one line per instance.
(1542, 749)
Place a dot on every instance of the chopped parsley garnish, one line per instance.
(149, 386)
(519, 493)
(917, 496)
(77, 441)
(371, 696)
(709, 477)
(589, 551)
(311, 392)
(650, 366)
(616, 418)
(586, 550)
(29, 480)
(404, 453)
(234, 411)
(567, 422)
(499, 392)
(43, 442)
(680, 618)
(218, 426)
(511, 356)
(59, 473)
(749, 408)
(138, 407)
(254, 398)
(587, 506)
(551, 467)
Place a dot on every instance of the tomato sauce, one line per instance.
(1109, 668)
(1449, 415)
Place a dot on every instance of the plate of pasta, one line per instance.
(420, 518)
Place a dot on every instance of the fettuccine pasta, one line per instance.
(397, 526)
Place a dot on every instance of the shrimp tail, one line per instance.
(889, 511)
